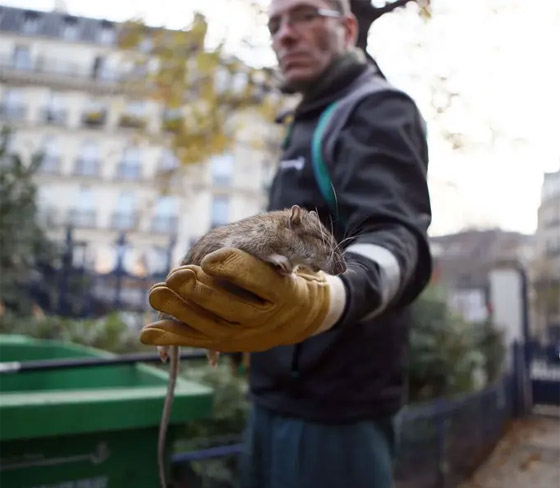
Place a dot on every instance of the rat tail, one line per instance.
(173, 371)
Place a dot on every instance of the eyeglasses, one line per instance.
(299, 18)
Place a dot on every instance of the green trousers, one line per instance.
(285, 452)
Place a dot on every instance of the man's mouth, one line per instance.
(294, 60)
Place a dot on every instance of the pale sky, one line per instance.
(500, 56)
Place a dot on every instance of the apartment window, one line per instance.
(9, 148)
(55, 108)
(550, 216)
(99, 70)
(222, 170)
(220, 211)
(146, 44)
(157, 260)
(95, 114)
(13, 107)
(83, 214)
(169, 162)
(30, 23)
(46, 210)
(70, 29)
(125, 214)
(129, 167)
(88, 161)
(165, 215)
(22, 57)
(553, 246)
(134, 115)
(106, 33)
(50, 161)
(172, 119)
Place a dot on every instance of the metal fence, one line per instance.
(443, 442)
(73, 289)
(544, 372)
(440, 443)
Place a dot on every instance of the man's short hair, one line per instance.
(342, 6)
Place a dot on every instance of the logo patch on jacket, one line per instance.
(296, 164)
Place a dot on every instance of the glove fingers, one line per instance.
(245, 271)
(218, 297)
(173, 333)
(165, 300)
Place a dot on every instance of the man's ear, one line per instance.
(350, 30)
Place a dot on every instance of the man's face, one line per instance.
(306, 43)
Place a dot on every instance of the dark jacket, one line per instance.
(357, 369)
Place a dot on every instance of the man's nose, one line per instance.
(285, 33)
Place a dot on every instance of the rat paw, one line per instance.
(213, 357)
(163, 353)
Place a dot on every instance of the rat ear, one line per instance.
(295, 215)
(314, 214)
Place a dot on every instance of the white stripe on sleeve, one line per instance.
(389, 267)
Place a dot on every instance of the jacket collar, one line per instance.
(333, 82)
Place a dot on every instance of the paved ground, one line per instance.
(527, 457)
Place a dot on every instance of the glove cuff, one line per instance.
(337, 301)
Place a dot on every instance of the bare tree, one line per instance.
(367, 14)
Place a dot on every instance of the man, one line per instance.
(328, 352)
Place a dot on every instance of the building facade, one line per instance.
(546, 266)
(464, 261)
(108, 169)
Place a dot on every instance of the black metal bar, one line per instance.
(208, 453)
(11, 367)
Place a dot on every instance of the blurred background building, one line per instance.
(108, 169)
(546, 267)
(463, 262)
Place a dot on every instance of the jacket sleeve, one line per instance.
(380, 180)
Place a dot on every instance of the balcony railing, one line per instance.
(82, 218)
(94, 118)
(87, 167)
(132, 121)
(165, 224)
(13, 112)
(50, 165)
(128, 170)
(221, 181)
(124, 221)
(52, 116)
(171, 124)
(56, 69)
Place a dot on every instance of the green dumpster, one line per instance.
(92, 427)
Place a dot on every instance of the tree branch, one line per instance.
(367, 14)
(390, 6)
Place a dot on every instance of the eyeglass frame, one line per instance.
(318, 12)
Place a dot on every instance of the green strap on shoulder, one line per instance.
(320, 169)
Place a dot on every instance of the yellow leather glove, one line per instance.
(266, 309)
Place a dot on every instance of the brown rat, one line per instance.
(287, 239)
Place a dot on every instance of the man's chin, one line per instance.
(298, 79)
